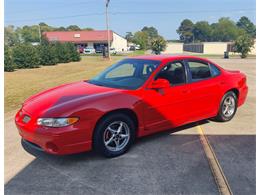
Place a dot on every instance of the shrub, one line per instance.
(62, 52)
(74, 54)
(8, 62)
(26, 56)
(243, 45)
(47, 54)
(158, 44)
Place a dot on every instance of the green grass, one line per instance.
(23, 83)
(137, 53)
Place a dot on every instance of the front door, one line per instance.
(168, 107)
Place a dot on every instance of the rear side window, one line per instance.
(199, 70)
(214, 70)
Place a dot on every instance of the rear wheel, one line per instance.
(228, 107)
(114, 135)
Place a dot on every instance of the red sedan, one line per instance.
(132, 98)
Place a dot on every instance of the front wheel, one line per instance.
(114, 135)
(228, 107)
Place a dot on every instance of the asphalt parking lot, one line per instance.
(172, 162)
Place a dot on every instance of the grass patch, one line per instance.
(137, 53)
(23, 83)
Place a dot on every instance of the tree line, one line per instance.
(29, 34)
(222, 31)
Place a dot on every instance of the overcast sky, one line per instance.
(126, 15)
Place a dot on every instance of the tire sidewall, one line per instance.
(98, 142)
(221, 116)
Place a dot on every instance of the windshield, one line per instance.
(126, 74)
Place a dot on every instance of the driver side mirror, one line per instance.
(160, 84)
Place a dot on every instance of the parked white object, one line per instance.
(89, 50)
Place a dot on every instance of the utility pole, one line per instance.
(108, 32)
(40, 34)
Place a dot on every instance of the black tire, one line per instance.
(221, 117)
(98, 138)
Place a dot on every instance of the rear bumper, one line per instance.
(242, 95)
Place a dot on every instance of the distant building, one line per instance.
(96, 39)
(214, 48)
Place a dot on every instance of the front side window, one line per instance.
(174, 72)
(126, 74)
(199, 70)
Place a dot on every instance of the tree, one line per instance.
(87, 28)
(141, 38)
(151, 32)
(225, 30)
(129, 36)
(45, 27)
(243, 45)
(245, 24)
(73, 28)
(11, 37)
(186, 31)
(202, 31)
(8, 62)
(29, 34)
(61, 28)
(158, 44)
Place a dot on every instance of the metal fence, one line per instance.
(194, 47)
(231, 47)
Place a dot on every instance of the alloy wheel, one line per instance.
(116, 136)
(229, 105)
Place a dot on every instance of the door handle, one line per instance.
(222, 82)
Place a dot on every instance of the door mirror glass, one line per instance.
(159, 84)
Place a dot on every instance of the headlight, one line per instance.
(56, 122)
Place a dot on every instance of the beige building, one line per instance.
(118, 42)
(173, 48)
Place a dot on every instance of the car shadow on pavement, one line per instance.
(162, 163)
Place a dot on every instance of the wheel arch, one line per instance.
(127, 111)
(235, 90)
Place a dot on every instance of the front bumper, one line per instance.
(66, 140)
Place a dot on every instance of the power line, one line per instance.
(54, 18)
(133, 13)
(180, 12)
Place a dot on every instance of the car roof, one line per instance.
(167, 57)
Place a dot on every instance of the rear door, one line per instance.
(205, 89)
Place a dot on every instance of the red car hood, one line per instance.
(40, 102)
